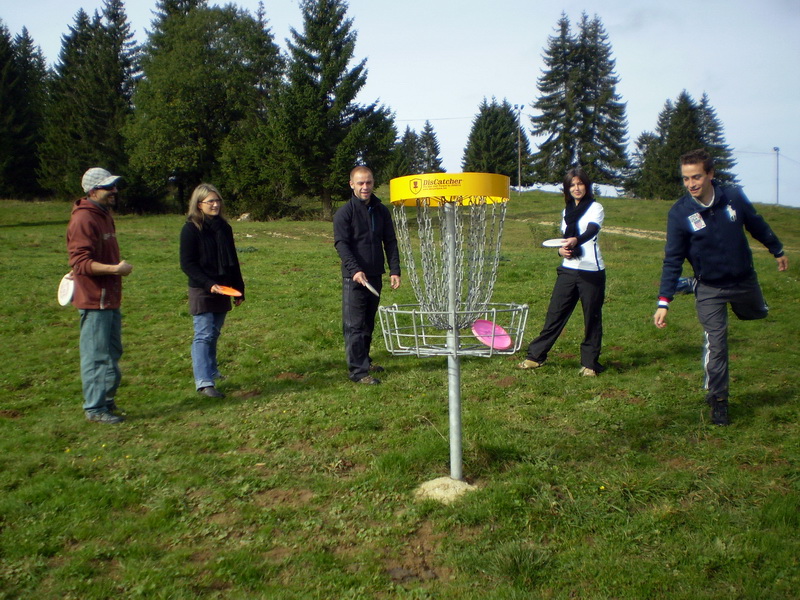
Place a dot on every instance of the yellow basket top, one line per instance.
(458, 188)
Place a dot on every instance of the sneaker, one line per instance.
(104, 417)
(719, 411)
(211, 392)
(376, 368)
(587, 372)
(529, 364)
(686, 285)
(368, 380)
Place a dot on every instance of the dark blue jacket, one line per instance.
(362, 234)
(712, 239)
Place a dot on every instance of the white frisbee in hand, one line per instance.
(66, 288)
(368, 285)
(554, 243)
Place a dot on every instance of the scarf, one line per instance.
(218, 249)
(572, 215)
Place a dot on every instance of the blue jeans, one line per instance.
(101, 349)
(207, 327)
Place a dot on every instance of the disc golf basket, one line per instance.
(451, 264)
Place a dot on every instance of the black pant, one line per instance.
(359, 307)
(572, 285)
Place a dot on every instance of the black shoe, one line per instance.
(368, 380)
(719, 411)
(211, 392)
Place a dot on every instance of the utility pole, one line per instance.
(518, 108)
(777, 175)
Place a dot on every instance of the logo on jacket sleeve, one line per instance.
(696, 222)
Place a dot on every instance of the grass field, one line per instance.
(300, 484)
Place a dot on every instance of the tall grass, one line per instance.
(300, 484)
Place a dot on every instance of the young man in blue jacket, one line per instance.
(706, 227)
(362, 233)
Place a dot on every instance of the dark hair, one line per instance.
(580, 174)
(696, 157)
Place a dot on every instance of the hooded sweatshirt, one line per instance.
(92, 237)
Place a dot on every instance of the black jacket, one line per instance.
(361, 235)
(712, 239)
(201, 268)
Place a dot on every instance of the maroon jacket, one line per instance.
(91, 237)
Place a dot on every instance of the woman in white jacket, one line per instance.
(581, 276)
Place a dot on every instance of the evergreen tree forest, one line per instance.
(210, 96)
(682, 125)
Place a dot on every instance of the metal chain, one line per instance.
(477, 256)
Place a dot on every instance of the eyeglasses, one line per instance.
(210, 202)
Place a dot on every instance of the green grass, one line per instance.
(300, 484)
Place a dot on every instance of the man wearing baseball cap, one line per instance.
(97, 272)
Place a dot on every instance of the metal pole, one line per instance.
(777, 175)
(518, 107)
(453, 365)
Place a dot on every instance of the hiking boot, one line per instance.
(719, 411)
(211, 392)
(368, 380)
(104, 417)
(376, 368)
(529, 364)
(587, 372)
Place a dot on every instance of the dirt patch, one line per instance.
(10, 414)
(418, 558)
(503, 382)
(291, 497)
(289, 376)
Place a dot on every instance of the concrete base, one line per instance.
(444, 489)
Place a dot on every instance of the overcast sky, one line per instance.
(438, 59)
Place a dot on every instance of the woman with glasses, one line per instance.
(208, 257)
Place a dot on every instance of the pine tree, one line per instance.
(601, 135)
(430, 159)
(580, 111)
(495, 143)
(89, 100)
(319, 130)
(9, 119)
(206, 70)
(712, 134)
(682, 126)
(29, 108)
(556, 106)
(406, 156)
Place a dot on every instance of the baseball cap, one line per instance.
(96, 177)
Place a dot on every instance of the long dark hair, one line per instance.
(580, 174)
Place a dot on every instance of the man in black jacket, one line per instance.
(706, 227)
(362, 233)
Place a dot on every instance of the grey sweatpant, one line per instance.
(747, 303)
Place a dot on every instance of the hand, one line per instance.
(124, 268)
(395, 279)
(360, 277)
(660, 318)
(238, 301)
(783, 263)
